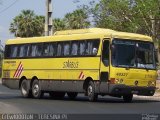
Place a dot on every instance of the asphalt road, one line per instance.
(11, 101)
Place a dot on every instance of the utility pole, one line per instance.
(48, 19)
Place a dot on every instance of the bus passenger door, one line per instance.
(104, 67)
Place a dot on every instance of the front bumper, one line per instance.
(120, 89)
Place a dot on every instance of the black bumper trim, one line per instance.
(121, 89)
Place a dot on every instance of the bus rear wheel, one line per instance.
(72, 95)
(36, 89)
(57, 95)
(91, 92)
(25, 89)
(128, 98)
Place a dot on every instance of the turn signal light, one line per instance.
(112, 80)
(116, 81)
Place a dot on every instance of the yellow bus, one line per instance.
(92, 61)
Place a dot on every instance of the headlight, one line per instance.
(151, 83)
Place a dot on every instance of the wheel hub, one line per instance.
(35, 89)
(90, 90)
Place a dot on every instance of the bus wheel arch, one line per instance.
(86, 83)
(33, 78)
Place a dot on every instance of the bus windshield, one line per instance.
(130, 53)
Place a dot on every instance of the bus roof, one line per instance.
(91, 33)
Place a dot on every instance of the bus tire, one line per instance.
(91, 92)
(36, 89)
(57, 95)
(25, 89)
(128, 98)
(72, 95)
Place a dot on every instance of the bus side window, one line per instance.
(82, 47)
(66, 50)
(14, 51)
(33, 50)
(105, 53)
(36, 50)
(46, 49)
(74, 48)
(59, 49)
(28, 47)
(95, 47)
(49, 49)
(52, 49)
(22, 50)
(92, 47)
(7, 53)
(39, 50)
(89, 47)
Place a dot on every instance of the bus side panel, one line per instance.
(65, 77)
(59, 85)
(55, 74)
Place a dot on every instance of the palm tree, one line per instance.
(78, 19)
(59, 24)
(27, 24)
(39, 23)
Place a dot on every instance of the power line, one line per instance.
(9, 6)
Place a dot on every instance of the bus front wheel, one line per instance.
(128, 97)
(36, 89)
(91, 92)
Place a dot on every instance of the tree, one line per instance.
(59, 24)
(78, 19)
(27, 24)
(114, 14)
(39, 25)
(148, 13)
(139, 16)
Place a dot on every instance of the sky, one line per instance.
(11, 8)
